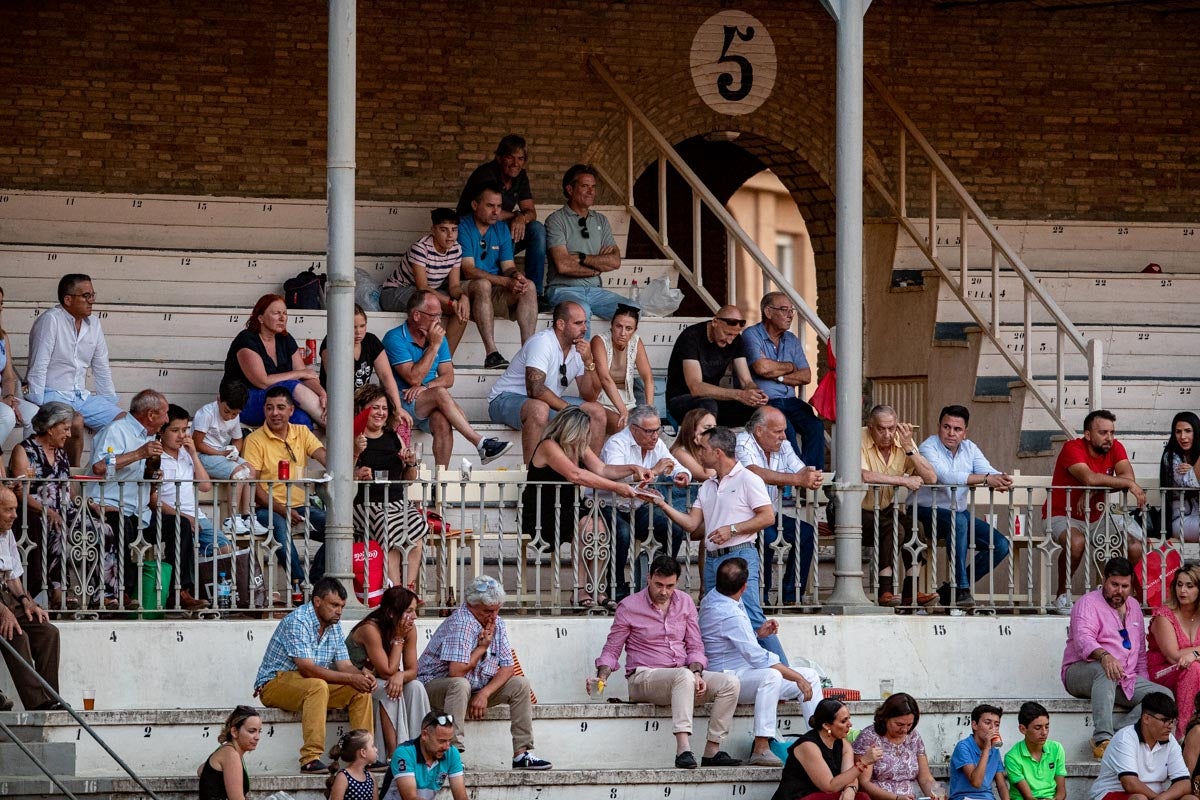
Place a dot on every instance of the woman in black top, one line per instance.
(266, 355)
(821, 765)
(381, 511)
(223, 774)
(560, 463)
(370, 360)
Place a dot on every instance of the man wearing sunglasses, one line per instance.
(422, 766)
(64, 343)
(582, 248)
(1143, 759)
(1105, 657)
(702, 354)
(495, 288)
(777, 361)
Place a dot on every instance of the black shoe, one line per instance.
(6, 703)
(720, 759)
(943, 593)
(491, 449)
(378, 766)
(49, 705)
(495, 361)
(314, 767)
(963, 598)
(686, 760)
(544, 305)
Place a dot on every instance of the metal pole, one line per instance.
(340, 295)
(847, 592)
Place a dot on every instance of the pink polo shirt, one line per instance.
(730, 500)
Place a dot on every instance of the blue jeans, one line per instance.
(595, 301)
(750, 598)
(803, 420)
(534, 245)
(637, 524)
(985, 538)
(281, 532)
(806, 548)
(252, 414)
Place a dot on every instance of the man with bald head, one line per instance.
(533, 388)
(763, 449)
(703, 353)
(25, 625)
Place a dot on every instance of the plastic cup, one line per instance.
(886, 686)
(380, 475)
(89, 699)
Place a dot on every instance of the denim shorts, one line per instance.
(506, 408)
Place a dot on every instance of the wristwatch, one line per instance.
(779, 378)
(732, 531)
(583, 259)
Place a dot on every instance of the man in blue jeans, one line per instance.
(960, 465)
(731, 508)
(779, 366)
(282, 504)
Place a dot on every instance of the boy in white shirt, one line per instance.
(217, 434)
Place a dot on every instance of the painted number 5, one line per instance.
(745, 81)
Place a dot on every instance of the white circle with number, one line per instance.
(733, 63)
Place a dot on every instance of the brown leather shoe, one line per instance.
(189, 603)
(924, 599)
(888, 599)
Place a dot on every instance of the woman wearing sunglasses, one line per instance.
(620, 359)
(1173, 659)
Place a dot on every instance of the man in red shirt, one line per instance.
(1096, 463)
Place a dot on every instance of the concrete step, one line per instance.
(590, 784)
(58, 757)
(572, 736)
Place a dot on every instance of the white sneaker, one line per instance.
(252, 525)
(1062, 605)
(231, 525)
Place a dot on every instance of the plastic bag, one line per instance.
(366, 291)
(658, 299)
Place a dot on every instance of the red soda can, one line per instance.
(310, 351)
(285, 470)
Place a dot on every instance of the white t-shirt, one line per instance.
(730, 501)
(218, 433)
(542, 352)
(181, 469)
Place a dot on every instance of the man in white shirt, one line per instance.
(64, 343)
(731, 646)
(530, 393)
(731, 508)
(764, 450)
(639, 443)
(1143, 759)
(960, 464)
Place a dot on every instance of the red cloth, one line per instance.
(824, 398)
(374, 556)
(1076, 452)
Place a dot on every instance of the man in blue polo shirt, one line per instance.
(778, 364)
(422, 766)
(420, 357)
(495, 286)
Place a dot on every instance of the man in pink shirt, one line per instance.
(1096, 463)
(659, 631)
(1106, 652)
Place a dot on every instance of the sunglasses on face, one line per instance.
(734, 323)
(583, 230)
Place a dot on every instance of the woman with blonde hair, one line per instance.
(1173, 644)
(560, 464)
(223, 774)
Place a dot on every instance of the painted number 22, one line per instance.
(725, 82)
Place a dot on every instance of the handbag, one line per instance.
(243, 569)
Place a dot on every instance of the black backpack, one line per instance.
(306, 290)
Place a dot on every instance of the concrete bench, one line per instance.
(1052, 245)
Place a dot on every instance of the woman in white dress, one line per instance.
(620, 359)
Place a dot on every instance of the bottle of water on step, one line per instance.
(224, 594)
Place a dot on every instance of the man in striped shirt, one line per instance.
(434, 263)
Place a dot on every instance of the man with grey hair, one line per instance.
(764, 450)
(732, 507)
(777, 361)
(640, 443)
(125, 496)
(468, 667)
(890, 459)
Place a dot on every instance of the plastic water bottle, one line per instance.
(224, 593)
(635, 294)
(110, 464)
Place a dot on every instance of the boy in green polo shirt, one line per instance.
(1036, 766)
